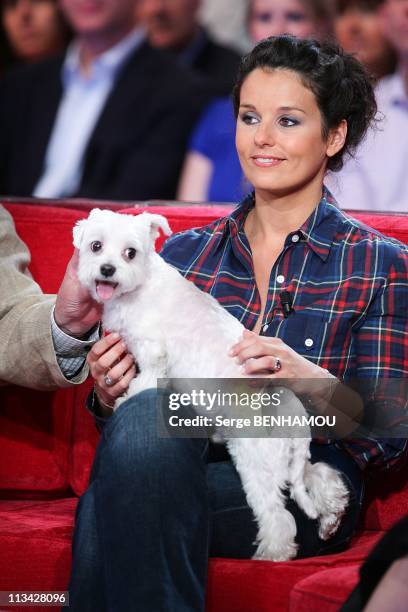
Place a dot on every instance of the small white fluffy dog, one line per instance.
(174, 330)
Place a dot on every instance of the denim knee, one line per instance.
(133, 438)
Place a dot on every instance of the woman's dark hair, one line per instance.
(342, 87)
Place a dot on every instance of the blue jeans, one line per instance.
(157, 508)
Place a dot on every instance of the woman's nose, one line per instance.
(277, 26)
(264, 135)
(353, 24)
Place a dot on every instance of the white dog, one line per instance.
(175, 330)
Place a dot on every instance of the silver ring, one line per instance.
(278, 365)
(108, 380)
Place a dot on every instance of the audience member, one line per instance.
(302, 18)
(42, 348)
(109, 120)
(173, 25)
(211, 169)
(359, 29)
(376, 178)
(32, 29)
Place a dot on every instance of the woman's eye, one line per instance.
(295, 17)
(264, 17)
(96, 246)
(130, 253)
(288, 121)
(249, 118)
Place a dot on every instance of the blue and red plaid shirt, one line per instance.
(349, 286)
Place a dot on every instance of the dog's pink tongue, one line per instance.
(105, 290)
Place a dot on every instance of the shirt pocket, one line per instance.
(316, 337)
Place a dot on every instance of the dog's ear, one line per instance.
(80, 226)
(78, 232)
(154, 223)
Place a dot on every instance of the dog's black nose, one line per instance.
(108, 270)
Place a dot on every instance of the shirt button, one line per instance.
(295, 238)
(280, 279)
(309, 342)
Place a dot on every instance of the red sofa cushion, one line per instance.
(326, 590)
(35, 442)
(35, 538)
(35, 544)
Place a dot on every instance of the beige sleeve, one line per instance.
(27, 355)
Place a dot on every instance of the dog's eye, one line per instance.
(96, 246)
(130, 253)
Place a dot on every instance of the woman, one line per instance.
(211, 169)
(359, 29)
(157, 507)
(32, 29)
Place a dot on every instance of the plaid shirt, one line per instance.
(349, 285)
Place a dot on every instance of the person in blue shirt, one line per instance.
(211, 170)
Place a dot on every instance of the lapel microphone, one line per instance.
(286, 302)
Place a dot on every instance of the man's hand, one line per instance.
(76, 313)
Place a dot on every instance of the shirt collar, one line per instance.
(321, 227)
(318, 230)
(108, 63)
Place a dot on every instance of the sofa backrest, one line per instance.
(47, 440)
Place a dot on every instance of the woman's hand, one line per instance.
(260, 355)
(272, 358)
(266, 357)
(112, 368)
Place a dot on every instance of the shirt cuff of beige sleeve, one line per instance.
(71, 352)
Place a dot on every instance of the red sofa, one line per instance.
(47, 442)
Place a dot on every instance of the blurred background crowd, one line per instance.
(130, 99)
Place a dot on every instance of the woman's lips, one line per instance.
(266, 162)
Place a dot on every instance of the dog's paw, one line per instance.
(328, 525)
(276, 536)
(264, 553)
(330, 495)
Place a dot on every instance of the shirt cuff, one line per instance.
(71, 352)
(68, 346)
(93, 406)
